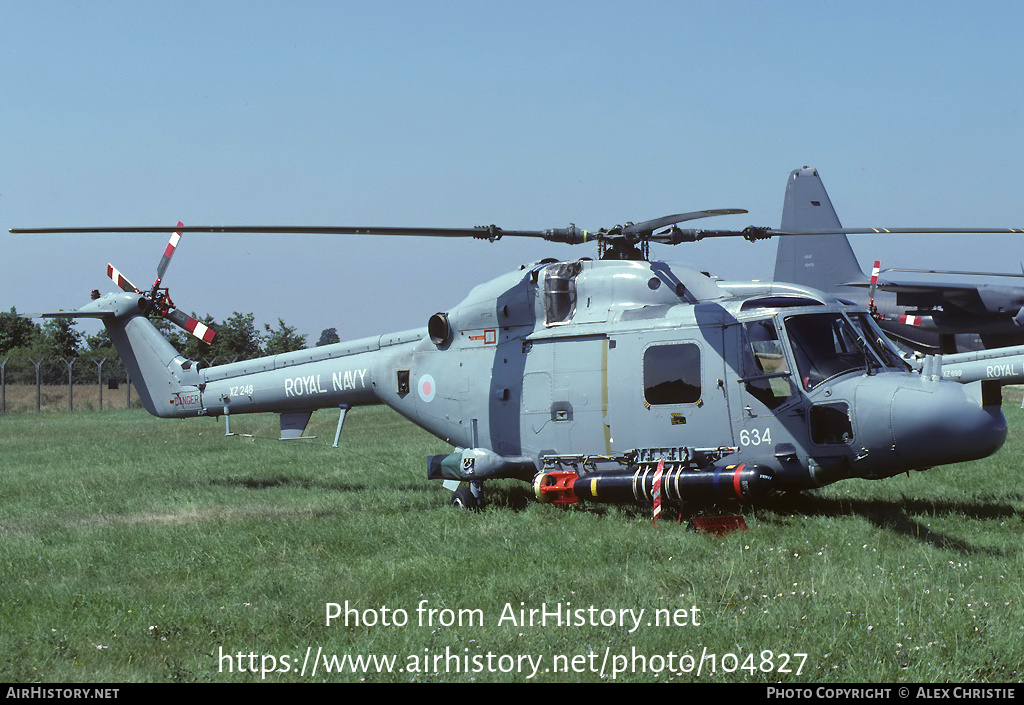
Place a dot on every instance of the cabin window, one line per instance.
(560, 292)
(672, 374)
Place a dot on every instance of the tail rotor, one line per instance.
(158, 299)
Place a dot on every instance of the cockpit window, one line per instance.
(830, 423)
(882, 346)
(560, 292)
(765, 369)
(828, 344)
(763, 351)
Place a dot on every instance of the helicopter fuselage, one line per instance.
(608, 369)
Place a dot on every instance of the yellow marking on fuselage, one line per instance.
(604, 398)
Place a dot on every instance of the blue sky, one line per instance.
(455, 114)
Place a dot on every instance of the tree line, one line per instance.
(59, 340)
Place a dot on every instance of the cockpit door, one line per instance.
(768, 410)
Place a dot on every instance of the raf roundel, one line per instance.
(426, 388)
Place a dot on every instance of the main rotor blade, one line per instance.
(674, 236)
(649, 226)
(954, 271)
(482, 231)
(898, 231)
(571, 235)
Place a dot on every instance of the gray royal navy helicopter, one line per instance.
(609, 379)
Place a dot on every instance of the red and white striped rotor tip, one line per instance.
(120, 279)
(165, 259)
(199, 330)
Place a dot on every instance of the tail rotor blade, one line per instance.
(199, 330)
(874, 284)
(165, 260)
(120, 280)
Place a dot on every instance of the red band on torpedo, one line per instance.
(736, 481)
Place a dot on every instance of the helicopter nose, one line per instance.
(945, 422)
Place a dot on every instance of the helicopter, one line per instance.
(616, 379)
(934, 317)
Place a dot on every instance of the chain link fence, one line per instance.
(29, 385)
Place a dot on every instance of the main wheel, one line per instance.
(463, 498)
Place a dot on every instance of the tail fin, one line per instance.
(819, 261)
(157, 370)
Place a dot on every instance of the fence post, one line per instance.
(3, 386)
(99, 378)
(71, 383)
(38, 382)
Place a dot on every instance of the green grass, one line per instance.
(136, 549)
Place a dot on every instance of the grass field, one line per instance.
(137, 549)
